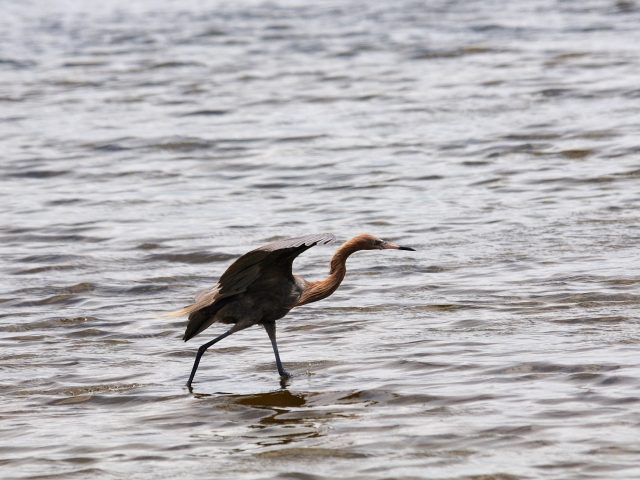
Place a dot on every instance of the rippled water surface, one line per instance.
(146, 144)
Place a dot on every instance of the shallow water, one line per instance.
(145, 145)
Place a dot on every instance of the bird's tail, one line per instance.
(204, 299)
(201, 316)
(178, 313)
(199, 321)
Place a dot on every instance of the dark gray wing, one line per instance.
(273, 259)
(306, 241)
(277, 256)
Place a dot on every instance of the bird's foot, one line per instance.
(285, 374)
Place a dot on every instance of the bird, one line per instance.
(260, 288)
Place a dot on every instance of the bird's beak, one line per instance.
(393, 246)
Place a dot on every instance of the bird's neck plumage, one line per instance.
(318, 290)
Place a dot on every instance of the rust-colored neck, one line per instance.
(318, 290)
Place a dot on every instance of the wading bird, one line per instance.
(259, 288)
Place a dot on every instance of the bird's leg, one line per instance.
(270, 327)
(201, 351)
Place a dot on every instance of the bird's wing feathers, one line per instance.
(248, 268)
(307, 240)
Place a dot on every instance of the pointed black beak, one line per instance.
(393, 246)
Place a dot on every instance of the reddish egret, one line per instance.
(259, 288)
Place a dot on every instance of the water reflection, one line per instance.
(148, 144)
(278, 398)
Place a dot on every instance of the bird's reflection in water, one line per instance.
(282, 398)
(282, 417)
(283, 423)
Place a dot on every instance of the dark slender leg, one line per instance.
(271, 331)
(201, 351)
(281, 371)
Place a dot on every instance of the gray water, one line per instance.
(147, 144)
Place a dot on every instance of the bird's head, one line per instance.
(369, 242)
